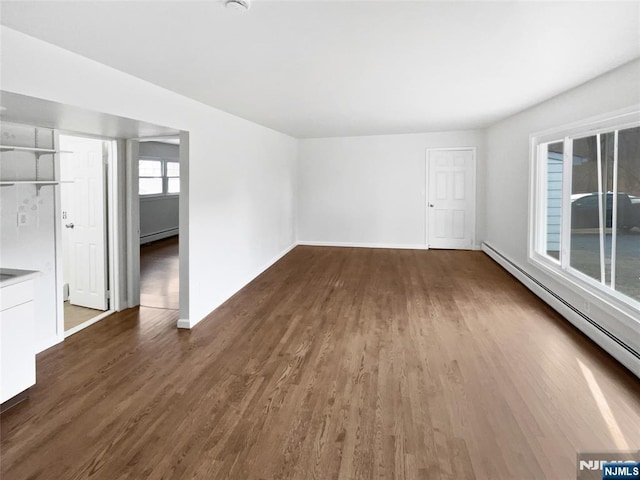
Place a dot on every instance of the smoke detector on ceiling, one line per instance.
(239, 5)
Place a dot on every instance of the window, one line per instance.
(150, 172)
(158, 177)
(586, 206)
(173, 177)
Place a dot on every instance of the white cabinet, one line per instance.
(17, 336)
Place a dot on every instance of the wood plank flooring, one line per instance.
(333, 364)
(159, 274)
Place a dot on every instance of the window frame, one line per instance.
(561, 268)
(165, 177)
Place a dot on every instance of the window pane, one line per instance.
(173, 169)
(602, 212)
(585, 221)
(150, 186)
(173, 185)
(554, 199)
(150, 168)
(627, 277)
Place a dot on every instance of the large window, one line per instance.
(158, 177)
(586, 206)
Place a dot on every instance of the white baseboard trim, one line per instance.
(152, 237)
(396, 246)
(600, 336)
(186, 323)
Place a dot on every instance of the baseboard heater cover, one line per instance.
(152, 237)
(493, 252)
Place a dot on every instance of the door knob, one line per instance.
(69, 225)
(431, 205)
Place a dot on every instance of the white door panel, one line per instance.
(451, 198)
(85, 222)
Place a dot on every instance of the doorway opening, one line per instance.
(159, 207)
(84, 163)
(37, 244)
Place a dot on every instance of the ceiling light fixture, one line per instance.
(239, 5)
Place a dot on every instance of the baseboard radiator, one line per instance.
(152, 237)
(566, 309)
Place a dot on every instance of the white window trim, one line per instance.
(164, 177)
(562, 271)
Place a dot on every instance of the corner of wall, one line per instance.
(184, 323)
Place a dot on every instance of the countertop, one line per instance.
(11, 276)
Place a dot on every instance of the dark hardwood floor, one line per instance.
(333, 364)
(159, 270)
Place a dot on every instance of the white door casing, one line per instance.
(66, 205)
(85, 224)
(451, 198)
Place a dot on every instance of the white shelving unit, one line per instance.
(38, 152)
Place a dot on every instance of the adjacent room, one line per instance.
(255, 239)
(159, 194)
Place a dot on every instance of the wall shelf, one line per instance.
(37, 152)
(29, 182)
(12, 148)
(38, 183)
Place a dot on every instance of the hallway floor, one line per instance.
(159, 267)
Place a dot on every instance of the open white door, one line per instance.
(84, 220)
(451, 198)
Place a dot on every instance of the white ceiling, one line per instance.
(322, 68)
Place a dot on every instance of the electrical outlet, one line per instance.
(23, 219)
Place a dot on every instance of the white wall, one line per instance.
(371, 190)
(159, 216)
(160, 150)
(241, 175)
(507, 180)
(30, 246)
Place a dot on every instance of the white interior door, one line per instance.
(84, 221)
(451, 198)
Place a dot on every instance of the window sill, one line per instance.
(628, 311)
